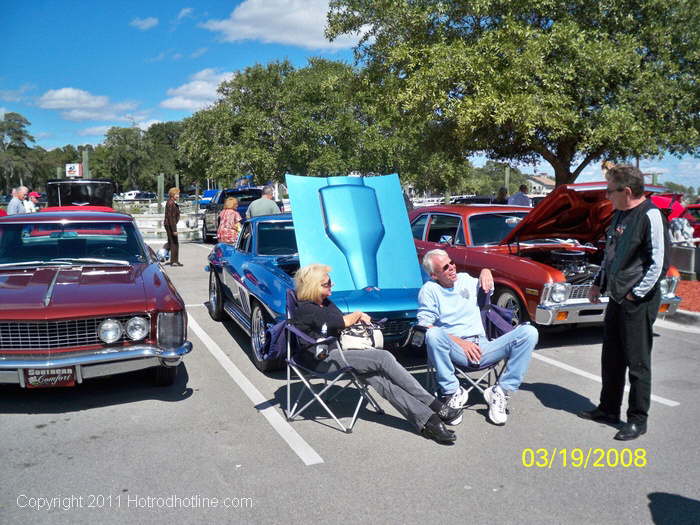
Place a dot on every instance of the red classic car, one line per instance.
(543, 259)
(83, 297)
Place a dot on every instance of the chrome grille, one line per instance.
(52, 335)
(396, 327)
(579, 291)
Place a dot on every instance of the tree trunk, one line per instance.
(563, 175)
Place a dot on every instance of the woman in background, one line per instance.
(229, 221)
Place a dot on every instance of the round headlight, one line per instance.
(559, 293)
(137, 328)
(663, 285)
(110, 331)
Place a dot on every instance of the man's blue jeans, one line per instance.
(516, 346)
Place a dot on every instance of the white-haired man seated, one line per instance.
(455, 335)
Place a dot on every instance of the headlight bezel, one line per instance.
(172, 329)
(670, 283)
(557, 293)
(145, 328)
(108, 325)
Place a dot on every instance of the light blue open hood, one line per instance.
(359, 227)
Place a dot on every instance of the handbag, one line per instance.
(361, 336)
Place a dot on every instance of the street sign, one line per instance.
(74, 170)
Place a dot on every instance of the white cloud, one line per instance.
(144, 23)
(290, 22)
(198, 93)
(95, 131)
(157, 58)
(2, 112)
(199, 52)
(65, 98)
(15, 95)
(185, 12)
(78, 105)
(147, 124)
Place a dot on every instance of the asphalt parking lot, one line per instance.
(215, 448)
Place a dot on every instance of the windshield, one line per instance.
(80, 193)
(695, 212)
(88, 242)
(276, 238)
(243, 196)
(490, 228)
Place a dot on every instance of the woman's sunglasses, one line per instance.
(327, 284)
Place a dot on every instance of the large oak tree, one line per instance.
(566, 81)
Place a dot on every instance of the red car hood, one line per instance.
(572, 211)
(76, 292)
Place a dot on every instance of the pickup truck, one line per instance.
(211, 213)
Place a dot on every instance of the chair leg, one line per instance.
(317, 397)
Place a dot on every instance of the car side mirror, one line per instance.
(446, 239)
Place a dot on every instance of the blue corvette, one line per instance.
(357, 226)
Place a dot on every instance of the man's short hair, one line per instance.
(624, 175)
(523, 188)
(268, 190)
(428, 259)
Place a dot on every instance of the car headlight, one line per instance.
(559, 292)
(172, 329)
(668, 287)
(110, 331)
(137, 328)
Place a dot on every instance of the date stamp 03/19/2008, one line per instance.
(584, 458)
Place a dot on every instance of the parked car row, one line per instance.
(543, 260)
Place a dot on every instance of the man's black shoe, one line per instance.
(438, 432)
(450, 415)
(598, 415)
(631, 431)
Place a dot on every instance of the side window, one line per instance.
(245, 237)
(418, 227)
(444, 225)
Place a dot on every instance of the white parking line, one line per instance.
(300, 447)
(588, 375)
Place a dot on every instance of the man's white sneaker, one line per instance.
(458, 399)
(498, 403)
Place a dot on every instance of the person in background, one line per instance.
(229, 221)
(264, 205)
(172, 217)
(520, 198)
(30, 205)
(501, 196)
(317, 316)
(16, 205)
(636, 253)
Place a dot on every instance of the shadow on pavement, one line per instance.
(93, 393)
(667, 509)
(558, 398)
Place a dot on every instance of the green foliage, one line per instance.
(15, 154)
(567, 82)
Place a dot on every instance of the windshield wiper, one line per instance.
(34, 263)
(87, 260)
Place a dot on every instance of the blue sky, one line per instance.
(75, 68)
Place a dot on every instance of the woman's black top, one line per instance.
(309, 317)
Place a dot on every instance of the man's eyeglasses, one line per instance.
(444, 268)
(613, 190)
(327, 284)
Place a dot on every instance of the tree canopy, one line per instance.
(569, 82)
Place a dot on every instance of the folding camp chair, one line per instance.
(307, 376)
(496, 321)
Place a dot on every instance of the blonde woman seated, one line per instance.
(229, 222)
(377, 368)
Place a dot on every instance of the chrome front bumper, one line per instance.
(109, 362)
(579, 311)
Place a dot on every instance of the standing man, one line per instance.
(447, 306)
(30, 205)
(172, 217)
(264, 205)
(520, 198)
(634, 261)
(16, 205)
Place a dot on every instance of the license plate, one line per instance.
(49, 377)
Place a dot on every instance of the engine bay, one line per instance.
(578, 266)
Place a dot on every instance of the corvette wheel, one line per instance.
(206, 238)
(216, 301)
(258, 323)
(507, 298)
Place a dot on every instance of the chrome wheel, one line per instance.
(506, 298)
(215, 306)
